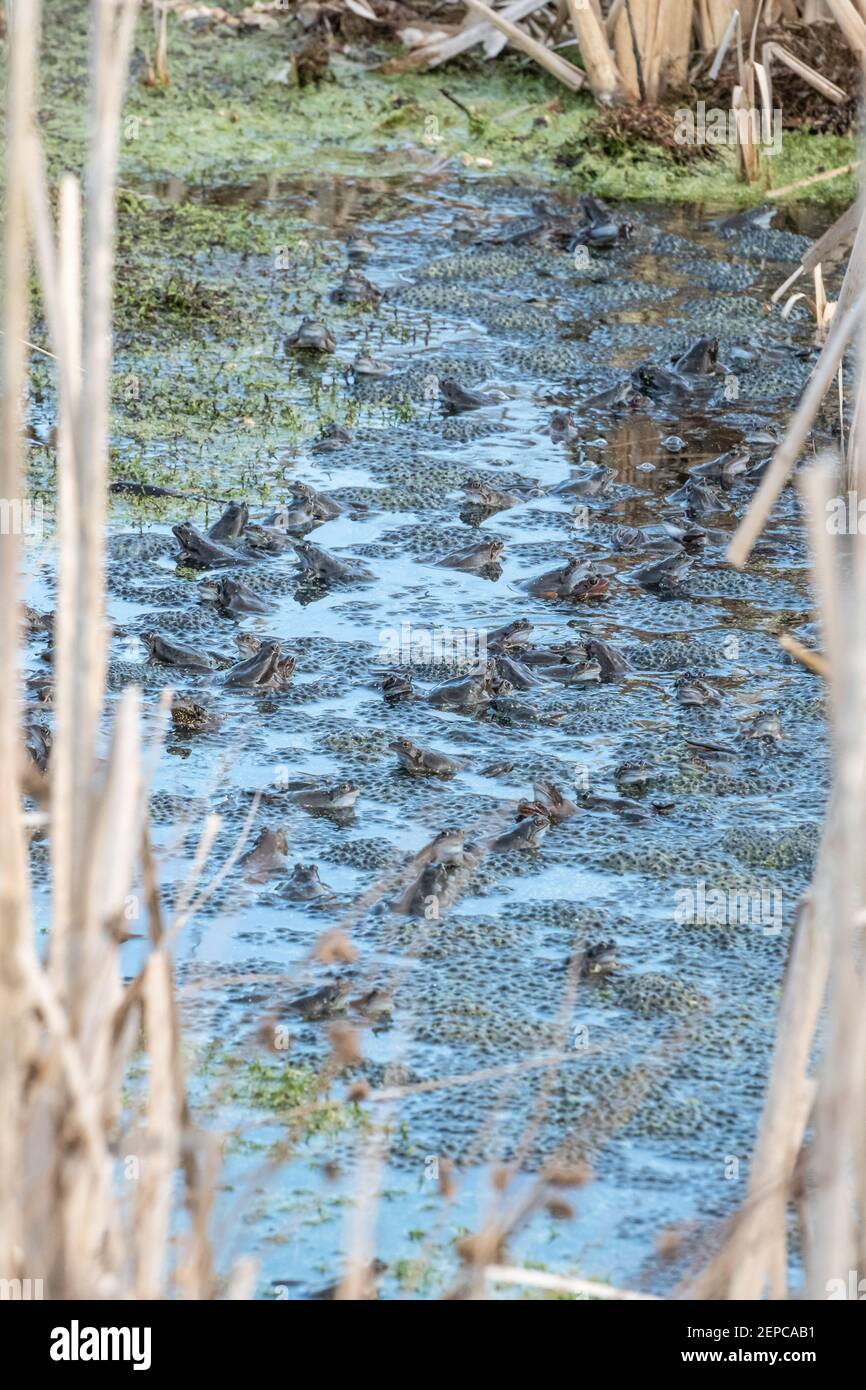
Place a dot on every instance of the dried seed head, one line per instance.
(568, 1175)
(669, 1243)
(344, 1041)
(558, 1209)
(334, 946)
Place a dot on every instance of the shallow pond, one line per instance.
(652, 1075)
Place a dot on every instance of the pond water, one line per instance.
(651, 1075)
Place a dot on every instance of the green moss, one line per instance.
(229, 116)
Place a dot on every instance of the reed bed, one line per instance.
(636, 51)
(88, 1200)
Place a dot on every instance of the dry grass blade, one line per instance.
(821, 84)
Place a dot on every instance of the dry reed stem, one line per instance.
(836, 1153)
(557, 1283)
(713, 18)
(850, 22)
(824, 177)
(810, 75)
(113, 24)
(15, 926)
(64, 291)
(813, 660)
(566, 72)
(162, 1138)
(443, 50)
(753, 1261)
(678, 18)
(597, 59)
(842, 329)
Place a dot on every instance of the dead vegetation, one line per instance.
(87, 1190)
(824, 48)
(617, 131)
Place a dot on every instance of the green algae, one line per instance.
(291, 1093)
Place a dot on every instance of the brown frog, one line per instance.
(765, 726)
(574, 672)
(625, 396)
(272, 540)
(355, 288)
(555, 806)
(266, 669)
(340, 797)
(189, 717)
(304, 884)
(578, 579)
(465, 693)
(700, 358)
(699, 498)
(320, 565)
(200, 552)
(510, 637)
(447, 847)
(483, 556)
(486, 498)
(527, 834)
(456, 398)
(232, 522)
(167, 653)
(612, 661)
(398, 687)
(234, 597)
(326, 1002)
(588, 485)
(728, 469)
(660, 384)
(318, 504)
(667, 574)
(691, 690)
(513, 671)
(598, 960)
(267, 856)
(424, 760)
(312, 335)
(431, 889)
(332, 437)
(562, 429)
